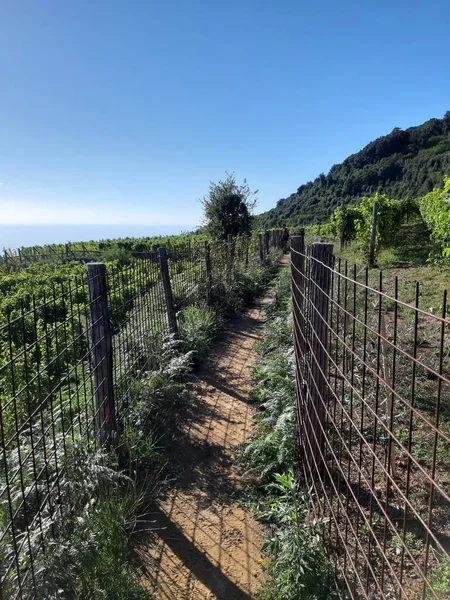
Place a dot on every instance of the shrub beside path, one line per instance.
(207, 546)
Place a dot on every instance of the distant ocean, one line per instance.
(15, 236)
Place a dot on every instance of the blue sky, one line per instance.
(121, 112)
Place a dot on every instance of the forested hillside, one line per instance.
(404, 164)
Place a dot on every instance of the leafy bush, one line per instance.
(152, 403)
(90, 557)
(298, 568)
(228, 207)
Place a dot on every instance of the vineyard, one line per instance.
(89, 358)
(354, 223)
(87, 251)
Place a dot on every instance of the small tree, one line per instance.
(228, 208)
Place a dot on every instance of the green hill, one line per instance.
(404, 164)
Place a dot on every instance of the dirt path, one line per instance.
(207, 546)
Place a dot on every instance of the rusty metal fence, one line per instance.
(373, 400)
(71, 352)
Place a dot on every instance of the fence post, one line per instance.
(102, 353)
(373, 235)
(168, 297)
(261, 248)
(208, 271)
(322, 263)
(298, 275)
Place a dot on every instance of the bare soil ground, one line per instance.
(207, 546)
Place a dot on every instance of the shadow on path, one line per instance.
(196, 561)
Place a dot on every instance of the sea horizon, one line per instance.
(17, 236)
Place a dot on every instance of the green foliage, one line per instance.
(298, 568)
(91, 556)
(120, 256)
(88, 553)
(87, 539)
(355, 222)
(342, 223)
(440, 579)
(390, 215)
(230, 297)
(153, 401)
(105, 250)
(403, 164)
(228, 208)
(198, 327)
(281, 296)
(271, 448)
(435, 211)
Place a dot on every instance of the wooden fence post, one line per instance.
(168, 296)
(321, 267)
(299, 287)
(261, 248)
(102, 354)
(299, 335)
(373, 235)
(208, 271)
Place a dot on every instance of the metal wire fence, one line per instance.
(70, 357)
(373, 399)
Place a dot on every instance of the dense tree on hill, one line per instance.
(403, 164)
(228, 207)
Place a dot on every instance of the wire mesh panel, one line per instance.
(187, 268)
(220, 253)
(375, 438)
(139, 323)
(46, 404)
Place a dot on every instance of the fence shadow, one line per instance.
(192, 558)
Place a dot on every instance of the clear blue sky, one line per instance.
(123, 111)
